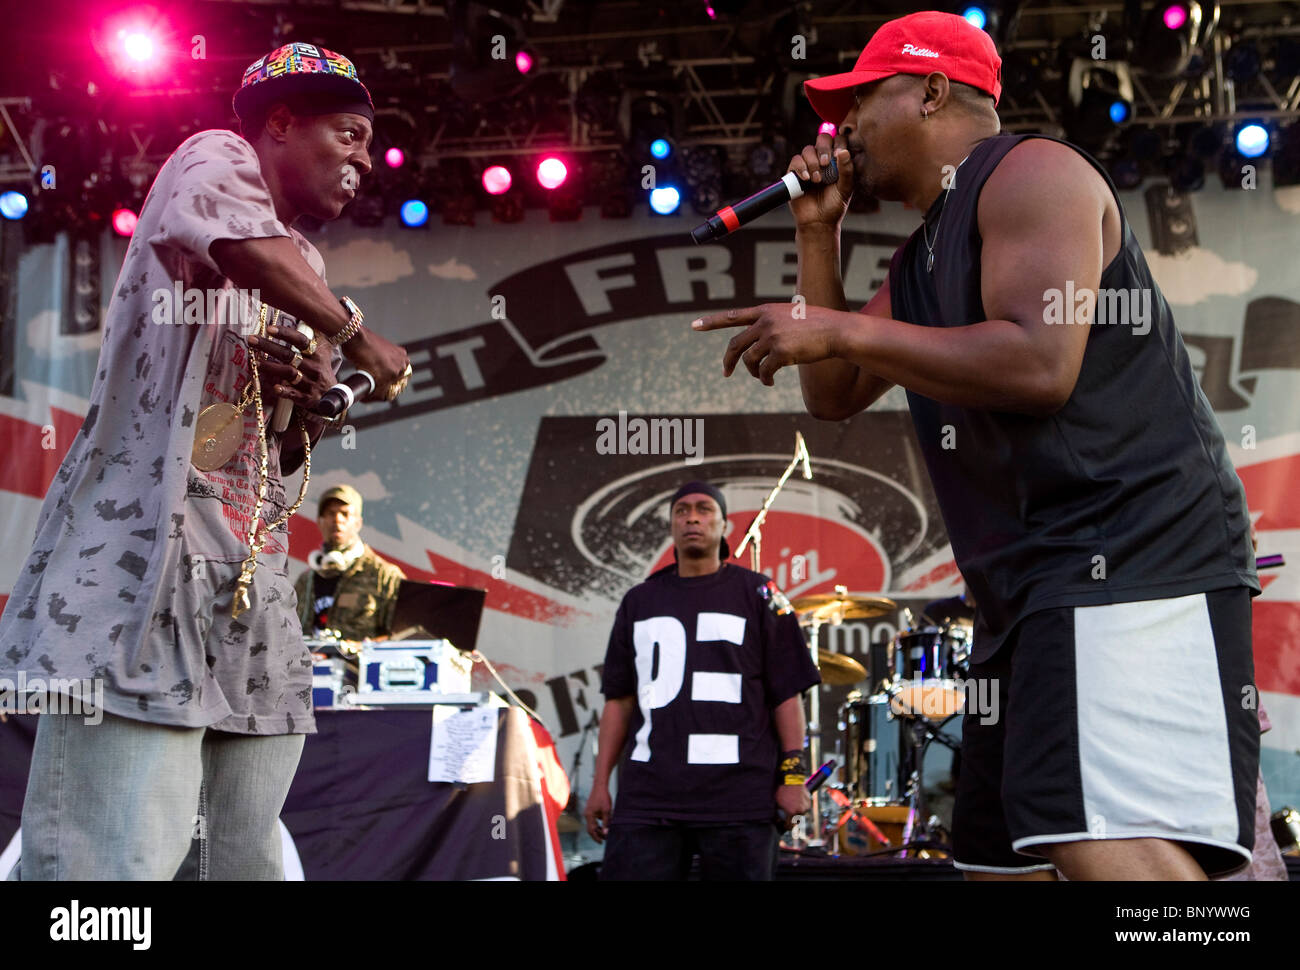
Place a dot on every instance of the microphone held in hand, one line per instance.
(731, 217)
(341, 396)
(815, 781)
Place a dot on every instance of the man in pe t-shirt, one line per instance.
(702, 683)
(1079, 468)
(142, 539)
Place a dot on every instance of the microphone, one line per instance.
(813, 782)
(801, 451)
(731, 217)
(284, 407)
(341, 396)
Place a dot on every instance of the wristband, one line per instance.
(793, 769)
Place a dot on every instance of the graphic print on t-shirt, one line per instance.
(706, 659)
(663, 638)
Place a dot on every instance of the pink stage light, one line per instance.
(496, 180)
(524, 61)
(124, 221)
(139, 46)
(394, 157)
(827, 128)
(713, 14)
(552, 172)
(1175, 17)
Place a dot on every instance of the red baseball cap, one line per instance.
(916, 44)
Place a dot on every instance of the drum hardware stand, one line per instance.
(755, 532)
(571, 808)
(923, 732)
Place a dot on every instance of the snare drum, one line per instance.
(872, 749)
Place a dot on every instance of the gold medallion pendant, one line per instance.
(217, 436)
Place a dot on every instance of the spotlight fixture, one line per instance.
(1168, 38)
(1252, 140)
(552, 172)
(13, 204)
(1100, 99)
(496, 180)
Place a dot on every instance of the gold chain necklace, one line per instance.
(217, 438)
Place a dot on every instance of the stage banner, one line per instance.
(560, 396)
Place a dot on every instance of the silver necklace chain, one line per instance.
(929, 261)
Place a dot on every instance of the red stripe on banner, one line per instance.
(1270, 487)
(305, 536)
(555, 790)
(728, 216)
(32, 473)
(946, 571)
(1275, 629)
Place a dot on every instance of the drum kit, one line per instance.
(881, 804)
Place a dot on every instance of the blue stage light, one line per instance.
(414, 213)
(1252, 140)
(13, 205)
(665, 200)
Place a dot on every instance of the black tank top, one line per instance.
(1133, 469)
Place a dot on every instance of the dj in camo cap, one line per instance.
(348, 588)
(144, 578)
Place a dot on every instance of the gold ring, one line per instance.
(297, 359)
(297, 379)
(311, 345)
(400, 384)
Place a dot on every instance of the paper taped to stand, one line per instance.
(464, 745)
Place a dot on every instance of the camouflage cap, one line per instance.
(342, 493)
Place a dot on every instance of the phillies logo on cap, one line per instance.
(919, 51)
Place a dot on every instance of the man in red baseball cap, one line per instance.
(1082, 476)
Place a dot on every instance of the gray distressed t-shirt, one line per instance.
(132, 569)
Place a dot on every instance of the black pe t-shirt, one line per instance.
(708, 659)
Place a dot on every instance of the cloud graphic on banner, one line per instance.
(43, 337)
(1288, 199)
(365, 262)
(453, 269)
(1198, 273)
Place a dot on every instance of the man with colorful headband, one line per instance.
(703, 683)
(160, 559)
(1080, 470)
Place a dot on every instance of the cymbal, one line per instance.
(827, 607)
(839, 670)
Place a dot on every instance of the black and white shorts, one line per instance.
(1123, 721)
